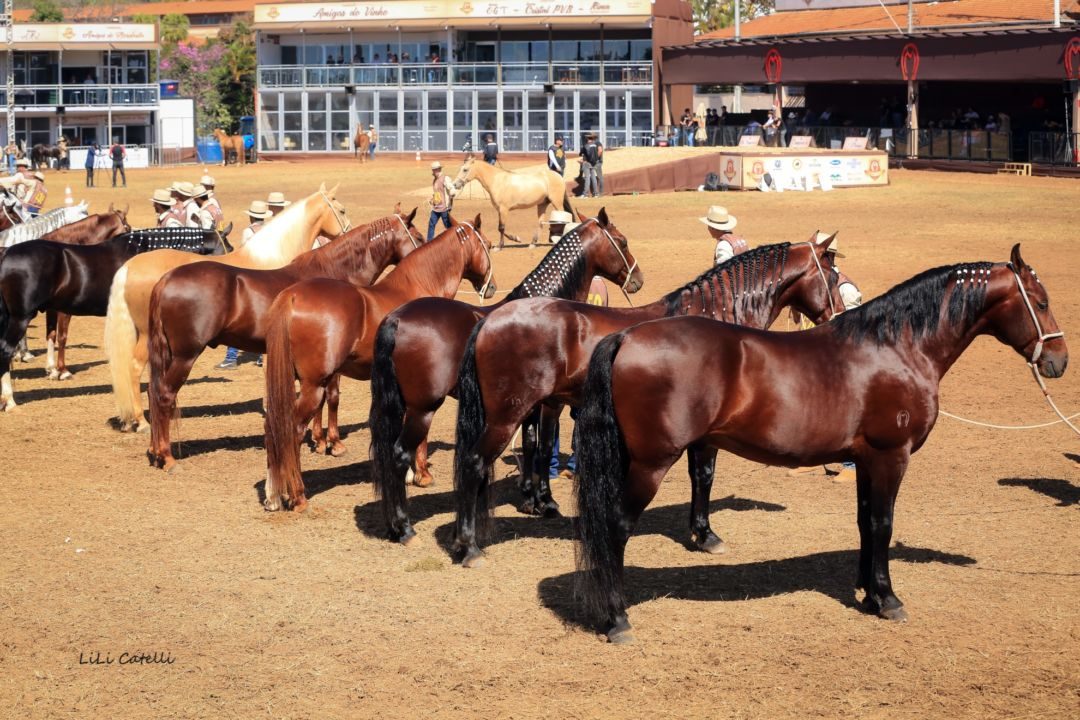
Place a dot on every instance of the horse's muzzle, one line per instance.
(637, 280)
(1053, 365)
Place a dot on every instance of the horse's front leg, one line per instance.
(333, 433)
(878, 478)
(544, 503)
(702, 462)
(421, 475)
(8, 341)
(50, 345)
(63, 322)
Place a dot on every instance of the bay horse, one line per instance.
(361, 144)
(529, 188)
(41, 275)
(320, 328)
(862, 388)
(419, 347)
(40, 154)
(208, 304)
(231, 143)
(127, 323)
(541, 349)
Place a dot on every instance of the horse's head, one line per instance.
(611, 254)
(816, 291)
(478, 268)
(217, 242)
(332, 220)
(466, 173)
(121, 217)
(405, 237)
(1025, 322)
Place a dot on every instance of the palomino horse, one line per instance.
(318, 329)
(230, 144)
(419, 346)
(862, 388)
(530, 188)
(549, 368)
(361, 144)
(74, 279)
(128, 321)
(209, 304)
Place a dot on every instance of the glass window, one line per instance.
(292, 102)
(290, 55)
(316, 102)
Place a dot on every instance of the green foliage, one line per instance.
(46, 11)
(174, 30)
(712, 15)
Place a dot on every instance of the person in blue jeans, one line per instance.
(442, 196)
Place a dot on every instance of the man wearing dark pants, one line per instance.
(118, 154)
(556, 157)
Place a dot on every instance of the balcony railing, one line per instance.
(420, 74)
(75, 96)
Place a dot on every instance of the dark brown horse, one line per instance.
(317, 329)
(419, 346)
(209, 304)
(862, 388)
(541, 348)
(39, 275)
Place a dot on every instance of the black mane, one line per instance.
(916, 304)
(748, 278)
(560, 273)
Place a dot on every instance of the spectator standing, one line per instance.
(91, 159)
(556, 157)
(442, 199)
(491, 150)
(590, 156)
(118, 154)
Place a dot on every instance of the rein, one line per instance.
(345, 224)
(406, 229)
(491, 266)
(821, 274)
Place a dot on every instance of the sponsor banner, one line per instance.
(359, 12)
(843, 170)
(137, 157)
(119, 34)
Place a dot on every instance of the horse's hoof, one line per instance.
(300, 505)
(52, 374)
(338, 449)
(473, 561)
(550, 510)
(8, 407)
(170, 466)
(423, 480)
(410, 539)
(713, 545)
(496, 249)
(66, 375)
(272, 504)
(620, 635)
(528, 508)
(894, 614)
(140, 427)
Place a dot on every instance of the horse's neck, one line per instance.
(435, 270)
(943, 348)
(346, 258)
(274, 246)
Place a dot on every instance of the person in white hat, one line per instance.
(22, 169)
(852, 298)
(182, 202)
(212, 205)
(276, 202)
(720, 224)
(165, 209)
(34, 197)
(559, 223)
(374, 135)
(442, 199)
(202, 218)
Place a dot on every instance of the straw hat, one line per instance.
(258, 210)
(277, 199)
(161, 197)
(22, 162)
(821, 237)
(719, 219)
(183, 188)
(207, 181)
(560, 217)
(436, 165)
(40, 176)
(199, 191)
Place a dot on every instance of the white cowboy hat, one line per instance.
(40, 176)
(183, 188)
(259, 210)
(820, 237)
(162, 197)
(199, 191)
(277, 199)
(719, 219)
(207, 181)
(22, 162)
(560, 217)
(436, 165)
(566, 231)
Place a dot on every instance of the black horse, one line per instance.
(39, 275)
(40, 155)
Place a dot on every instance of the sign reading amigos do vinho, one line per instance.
(445, 9)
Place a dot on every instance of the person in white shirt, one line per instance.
(720, 224)
(202, 218)
(167, 213)
(259, 213)
(212, 205)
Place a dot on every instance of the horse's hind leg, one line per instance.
(16, 328)
(421, 472)
(538, 499)
(22, 350)
(164, 387)
(333, 433)
(473, 472)
(138, 363)
(50, 345)
(702, 462)
(309, 401)
(878, 479)
(63, 322)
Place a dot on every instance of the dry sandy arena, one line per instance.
(314, 615)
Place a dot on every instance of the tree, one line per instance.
(47, 11)
(237, 78)
(198, 70)
(712, 15)
(174, 30)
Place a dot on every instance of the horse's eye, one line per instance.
(1044, 305)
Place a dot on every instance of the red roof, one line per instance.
(926, 15)
(190, 7)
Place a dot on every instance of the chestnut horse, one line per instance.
(549, 369)
(528, 188)
(208, 304)
(419, 346)
(361, 144)
(127, 324)
(862, 388)
(318, 329)
(230, 143)
(41, 275)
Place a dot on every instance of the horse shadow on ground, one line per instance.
(319, 481)
(1063, 491)
(36, 373)
(830, 573)
(193, 448)
(60, 391)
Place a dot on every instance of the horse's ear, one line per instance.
(127, 208)
(1017, 261)
(110, 207)
(397, 208)
(602, 218)
(581, 217)
(823, 241)
(476, 222)
(332, 192)
(322, 187)
(411, 216)
(453, 220)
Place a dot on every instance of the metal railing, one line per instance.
(419, 74)
(83, 95)
(1054, 148)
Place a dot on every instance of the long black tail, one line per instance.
(385, 420)
(471, 421)
(601, 469)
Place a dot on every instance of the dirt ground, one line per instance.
(314, 615)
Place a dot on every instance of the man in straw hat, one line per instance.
(165, 209)
(202, 218)
(374, 135)
(720, 224)
(852, 298)
(442, 199)
(276, 202)
(212, 205)
(185, 206)
(22, 170)
(559, 223)
(259, 214)
(35, 197)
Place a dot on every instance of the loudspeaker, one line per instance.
(1072, 86)
(60, 110)
(350, 89)
(549, 89)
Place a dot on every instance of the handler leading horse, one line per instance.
(863, 387)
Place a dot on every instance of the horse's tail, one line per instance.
(161, 356)
(121, 337)
(471, 421)
(282, 442)
(601, 457)
(5, 318)
(385, 420)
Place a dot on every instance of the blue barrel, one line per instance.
(209, 150)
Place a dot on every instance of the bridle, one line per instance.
(345, 224)
(404, 227)
(630, 267)
(482, 292)
(123, 220)
(821, 274)
(1043, 336)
